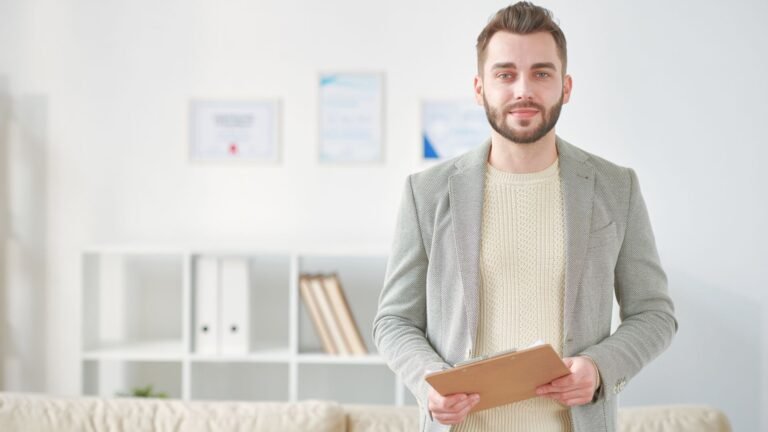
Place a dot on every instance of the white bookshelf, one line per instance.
(139, 325)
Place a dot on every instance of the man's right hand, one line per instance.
(451, 409)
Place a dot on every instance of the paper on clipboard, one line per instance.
(502, 379)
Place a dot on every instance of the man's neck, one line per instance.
(518, 158)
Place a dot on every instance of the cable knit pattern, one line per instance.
(522, 272)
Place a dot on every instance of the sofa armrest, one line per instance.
(377, 418)
(673, 418)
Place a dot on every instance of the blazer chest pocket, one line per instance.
(603, 236)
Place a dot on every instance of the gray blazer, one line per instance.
(428, 307)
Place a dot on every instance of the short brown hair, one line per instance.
(521, 18)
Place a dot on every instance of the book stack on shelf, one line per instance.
(331, 316)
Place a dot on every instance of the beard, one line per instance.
(548, 120)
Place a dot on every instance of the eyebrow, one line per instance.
(511, 65)
(544, 65)
(508, 65)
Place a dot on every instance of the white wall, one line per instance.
(674, 89)
(5, 107)
(23, 214)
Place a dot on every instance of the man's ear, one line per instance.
(567, 88)
(478, 89)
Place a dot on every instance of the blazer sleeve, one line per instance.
(399, 328)
(647, 312)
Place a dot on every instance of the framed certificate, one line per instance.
(351, 120)
(234, 130)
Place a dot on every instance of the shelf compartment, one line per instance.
(131, 300)
(268, 277)
(108, 378)
(361, 278)
(241, 381)
(347, 383)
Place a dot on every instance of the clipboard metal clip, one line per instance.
(484, 357)
(496, 354)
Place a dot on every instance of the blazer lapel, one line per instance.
(577, 180)
(465, 190)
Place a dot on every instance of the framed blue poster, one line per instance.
(450, 128)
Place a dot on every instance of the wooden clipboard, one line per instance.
(503, 378)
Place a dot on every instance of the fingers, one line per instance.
(569, 397)
(455, 402)
(566, 381)
(438, 401)
(452, 404)
(559, 386)
(452, 409)
(580, 376)
(572, 390)
(573, 398)
(454, 417)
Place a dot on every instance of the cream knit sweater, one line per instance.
(522, 273)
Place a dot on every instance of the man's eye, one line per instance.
(542, 74)
(504, 76)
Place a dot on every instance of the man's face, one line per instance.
(522, 86)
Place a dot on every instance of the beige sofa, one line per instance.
(40, 413)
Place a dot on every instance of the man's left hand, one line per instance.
(578, 388)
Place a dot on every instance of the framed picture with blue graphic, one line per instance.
(451, 127)
(351, 117)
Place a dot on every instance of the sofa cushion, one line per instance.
(668, 418)
(38, 413)
(678, 418)
(381, 418)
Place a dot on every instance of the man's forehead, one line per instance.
(522, 50)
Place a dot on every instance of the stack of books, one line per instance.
(331, 315)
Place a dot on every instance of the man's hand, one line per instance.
(451, 409)
(578, 388)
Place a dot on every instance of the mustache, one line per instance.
(524, 104)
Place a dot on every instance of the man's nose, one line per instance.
(522, 88)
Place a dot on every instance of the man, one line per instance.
(526, 237)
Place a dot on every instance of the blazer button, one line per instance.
(620, 385)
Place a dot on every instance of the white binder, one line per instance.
(206, 284)
(234, 306)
